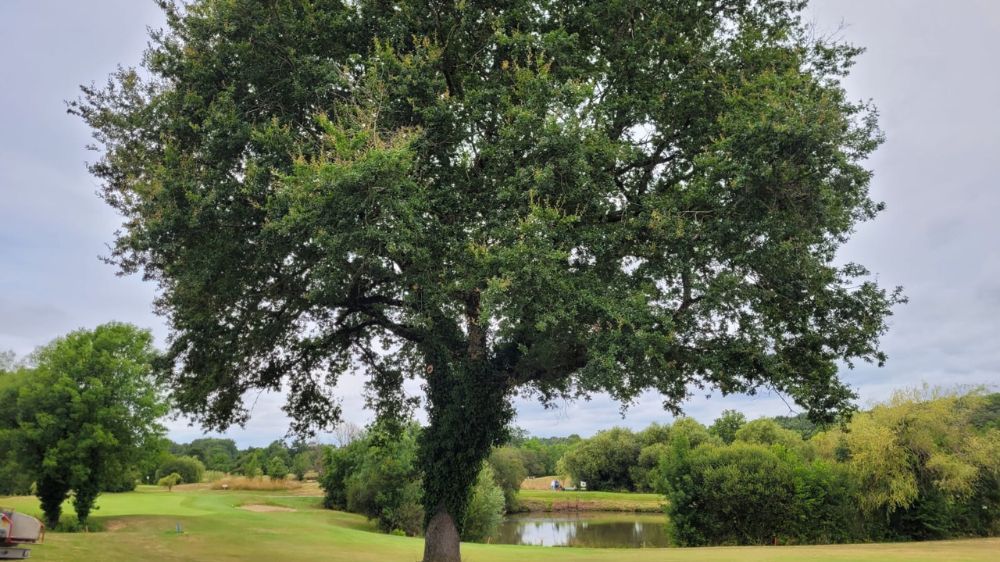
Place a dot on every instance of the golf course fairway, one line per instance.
(233, 525)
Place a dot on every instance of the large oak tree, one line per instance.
(557, 197)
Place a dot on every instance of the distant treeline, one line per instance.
(279, 459)
(195, 462)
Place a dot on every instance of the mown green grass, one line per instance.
(141, 526)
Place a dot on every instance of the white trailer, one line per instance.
(18, 529)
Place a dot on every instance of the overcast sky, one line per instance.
(931, 69)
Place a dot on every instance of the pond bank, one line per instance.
(552, 501)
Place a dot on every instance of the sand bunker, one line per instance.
(260, 508)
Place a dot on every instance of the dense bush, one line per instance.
(377, 476)
(249, 464)
(926, 465)
(768, 432)
(338, 464)
(214, 453)
(507, 468)
(604, 461)
(541, 454)
(486, 508)
(15, 479)
(190, 469)
(738, 494)
(121, 480)
(825, 505)
(277, 469)
(385, 485)
(643, 474)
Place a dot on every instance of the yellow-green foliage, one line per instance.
(169, 481)
(918, 434)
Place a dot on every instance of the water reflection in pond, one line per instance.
(593, 529)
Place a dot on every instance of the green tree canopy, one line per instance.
(276, 468)
(767, 432)
(604, 461)
(507, 468)
(15, 480)
(215, 453)
(727, 424)
(87, 413)
(486, 507)
(556, 196)
(191, 469)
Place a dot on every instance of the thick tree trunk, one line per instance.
(469, 408)
(441, 543)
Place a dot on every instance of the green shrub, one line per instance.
(604, 460)
(121, 481)
(508, 471)
(825, 506)
(643, 473)
(338, 464)
(15, 480)
(737, 494)
(170, 480)
(376, 476)
(486, 508)
(276, 469)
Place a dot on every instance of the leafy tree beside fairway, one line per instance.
(14, 479)
(86, 413)
(486, 507)
(559, 197)
(277, 469)
(251, 467)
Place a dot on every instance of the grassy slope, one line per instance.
(141, 527)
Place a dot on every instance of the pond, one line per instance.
(590, 529)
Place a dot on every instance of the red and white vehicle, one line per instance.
(18, 529)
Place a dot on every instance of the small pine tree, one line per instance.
(252, 467)
(277, 469)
